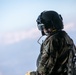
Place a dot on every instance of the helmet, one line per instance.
(49, 19)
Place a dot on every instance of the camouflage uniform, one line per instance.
(54, 53)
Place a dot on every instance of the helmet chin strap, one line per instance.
(39, 40)
(41, 37)
(47, 34)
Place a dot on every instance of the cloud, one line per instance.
(70, 27)
(13, 37)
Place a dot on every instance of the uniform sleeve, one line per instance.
(41, 68)
(54, 47)
(48, 58)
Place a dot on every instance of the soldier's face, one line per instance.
(47, 31)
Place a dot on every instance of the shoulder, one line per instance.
(59, 34)
(59, 37)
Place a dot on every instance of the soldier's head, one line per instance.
(49, 21)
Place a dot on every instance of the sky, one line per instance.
(19, 33)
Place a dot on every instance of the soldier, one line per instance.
(54, 53)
